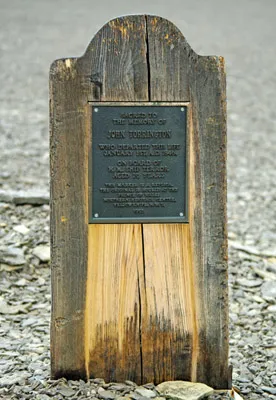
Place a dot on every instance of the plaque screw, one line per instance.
(181, 214)
(182, 108)
(96, 109)
(96, 215)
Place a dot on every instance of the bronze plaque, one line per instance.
(138, 163)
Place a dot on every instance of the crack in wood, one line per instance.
(148, 58)
(175, 325)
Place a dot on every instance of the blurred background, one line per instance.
(32, 34)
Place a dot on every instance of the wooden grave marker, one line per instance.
(138, 208)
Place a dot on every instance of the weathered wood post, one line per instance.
(138, 208)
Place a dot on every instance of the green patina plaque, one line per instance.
(138, 163)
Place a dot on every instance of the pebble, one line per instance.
(134, 396)
(66, 391)
(271, 268)
(267, 389)
(21, 229)
(249, 283)
(42, 253)
(29, 322)
(268, 290)
(273, 380)
(145, 392)
(6, 197)
(272, 308)
(117, 386)
(12, 256)
(24, 197)
(106, 395)
(6, 308)
(258, 380)
(12, 379)
(130, 383)
(181, 390)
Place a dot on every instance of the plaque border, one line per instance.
(138, 220)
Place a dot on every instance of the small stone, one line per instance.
(249, 283)
(5, 175)
(106, 395)
(12, 379)
(42, 252)
(12, 256)
(31, 197)
(130, 383)
(258, 299)
(253, 250)
(149, 386)
(135, 396)
(24, 197)
(123, 398)
(117, 386)
(231, 235)
(21, 229)
(268, 289)
(33, 366)
(258, 380)
(271, 365)
(268, 389)
(181, 390)
(66, 391)
(5, 196)
(145, 392)
(29, 322)
(271, 268)
(21, 282)
(5, 308)
(272, 308)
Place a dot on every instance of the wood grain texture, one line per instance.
(118, 71)
(210, 230)
(68, 148)
(113, 307)
(169, 303)
(200, 80)
(168, 320)
(113, 68)
(115, 61)
(142, 302)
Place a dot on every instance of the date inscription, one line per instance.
(137, 166)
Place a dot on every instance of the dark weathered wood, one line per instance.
(68, 147)
(142, 302)
(167, 61)
(208, 94)
(114, 68)
(116, 63)
(184, 76)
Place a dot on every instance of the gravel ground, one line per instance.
(34, 33)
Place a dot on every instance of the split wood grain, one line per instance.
(183, 75)
(141, 302)
(114, 68)
(119, 71)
